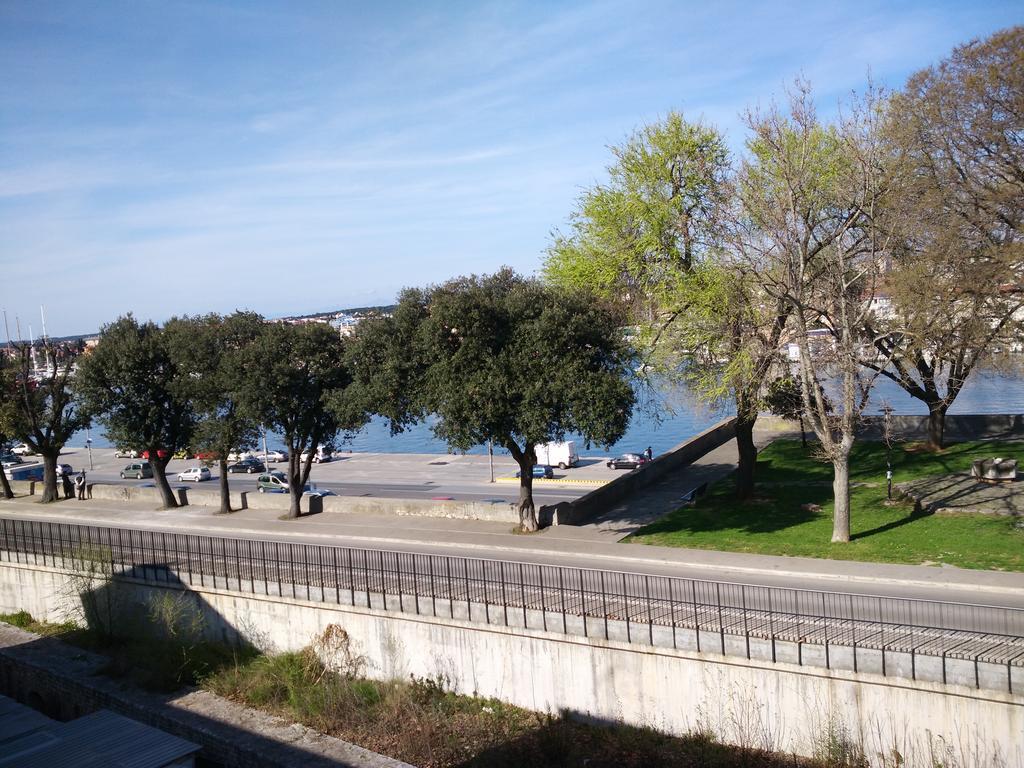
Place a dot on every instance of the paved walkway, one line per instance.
(595, 545)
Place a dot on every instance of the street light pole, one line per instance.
(88, 445)
(490, 458)
(887, 433)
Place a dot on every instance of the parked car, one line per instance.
(184, 453)
(160, 452)
(249, 466)
(207, 455)
(138, 470)
(64, 469)
(627, 461)
(541, 471)
(10, 460)
(321, 492)
(195, 474)
(126, 453)
(276, 456)
(239, 455)
(320, 455)
(272, 482)
(22, 449)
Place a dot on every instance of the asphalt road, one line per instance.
(412, 476)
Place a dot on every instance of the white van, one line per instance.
(561, 455)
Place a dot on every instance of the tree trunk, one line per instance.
(527, 512)
(294, 485)
(8, 492)
(841, 492)
(225, 489)
(747, 458)
(49, 479)
(803, 431)
(160, 476)
(936, 424)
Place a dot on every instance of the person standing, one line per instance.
(65, 482)
(648, 454)
(80, 485)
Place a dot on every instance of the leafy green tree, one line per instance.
(655, 238)
(288, 380)
(724, 341)
(132, 382)
(44, 411)
(955, 285)
(499, 358)
(632, 237)
(206, 352)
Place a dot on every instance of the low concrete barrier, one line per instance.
(498, 511)
(602, 499)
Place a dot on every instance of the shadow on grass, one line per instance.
(913, 517)
(569, 741)
(769, 510)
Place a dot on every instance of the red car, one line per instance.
(161, 453)
(208, 456)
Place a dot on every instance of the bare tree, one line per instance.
(811, 192)
(957, 279)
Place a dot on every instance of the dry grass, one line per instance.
(424, 724)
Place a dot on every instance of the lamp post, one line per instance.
(88, 446)
(490, 458)
(887, 436)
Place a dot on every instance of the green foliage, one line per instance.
(777, 521)
(658, 212)
(293, 378)
(132, 382)
(40, 407)
(500, 358)
(206, 349)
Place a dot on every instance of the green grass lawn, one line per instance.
(774, 522)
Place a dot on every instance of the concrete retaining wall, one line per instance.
(749, 702)
(345, 505)
(604, 498)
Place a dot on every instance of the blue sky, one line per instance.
(180, 157)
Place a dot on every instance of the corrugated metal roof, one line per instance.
(31, 740)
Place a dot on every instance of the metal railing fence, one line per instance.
(711, 616)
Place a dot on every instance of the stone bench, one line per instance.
(994, 469)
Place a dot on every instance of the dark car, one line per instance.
(249, 466)
(541, 471)
(627, 461)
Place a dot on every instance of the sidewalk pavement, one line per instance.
(594, 545)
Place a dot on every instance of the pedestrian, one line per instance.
(80, 485)
(65, 481)
(648, 454)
